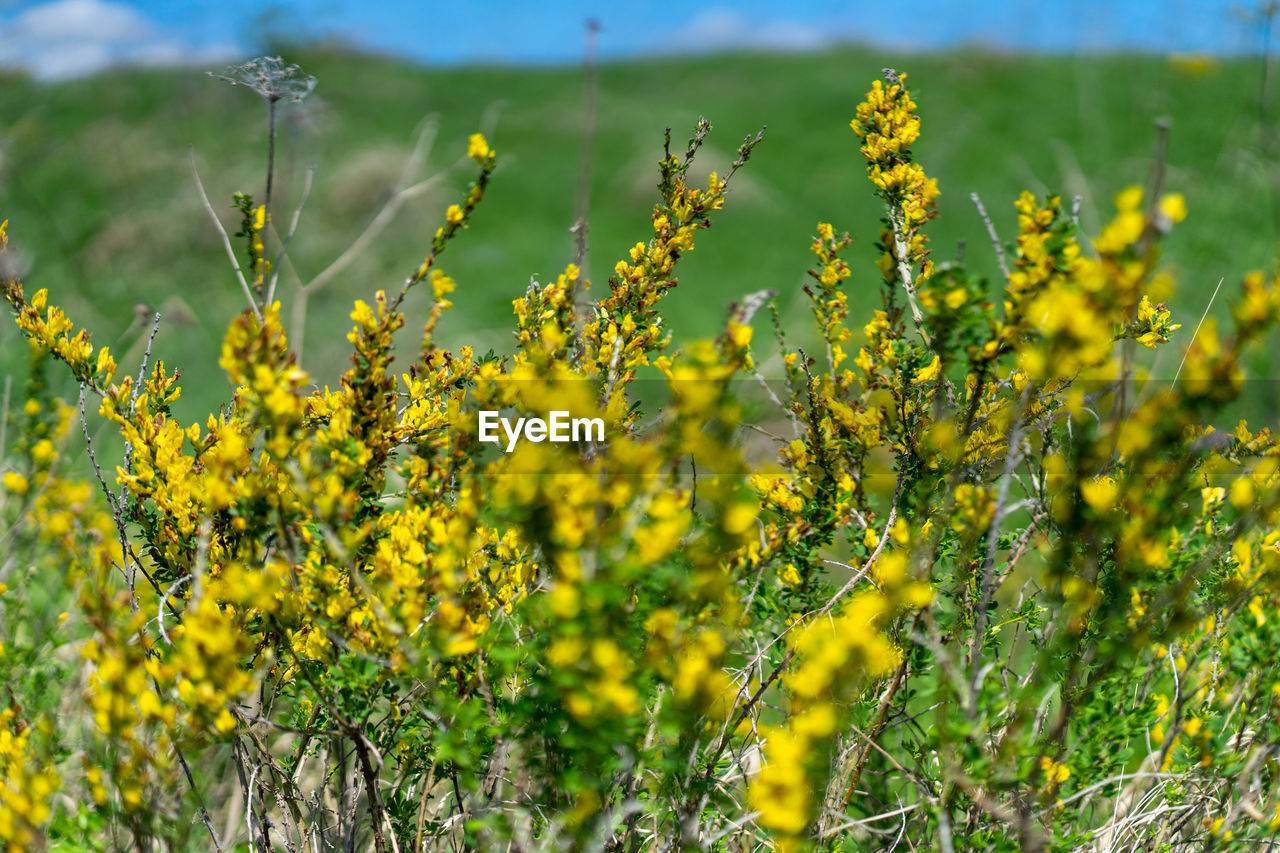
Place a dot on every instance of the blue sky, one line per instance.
(60, 38)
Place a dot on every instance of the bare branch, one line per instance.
(293, 229)
(991, 232)
(226, 240)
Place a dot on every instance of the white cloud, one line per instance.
(719, 28)
(68, 38)
(90, 20)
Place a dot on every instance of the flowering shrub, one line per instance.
(988, 591)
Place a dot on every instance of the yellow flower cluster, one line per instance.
(830, 306)
(26, 787)
(835, 657)
(670, 621)
(47, 326)
(887, 125)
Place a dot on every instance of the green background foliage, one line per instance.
(96, 171)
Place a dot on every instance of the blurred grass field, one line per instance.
(103, 210)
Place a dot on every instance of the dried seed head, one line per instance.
(270, 78)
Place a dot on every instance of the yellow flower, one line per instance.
(788, 575)
(149, 703)
(478, 149)
(1174, 206)
(782, 792)
(1054, 773)
(225, 721)
(1100, 493)
(44, 452)
(739, 517)
(1255, 607)
(16, 483)
(929, 372)
(1129, 199)
(441, 284)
